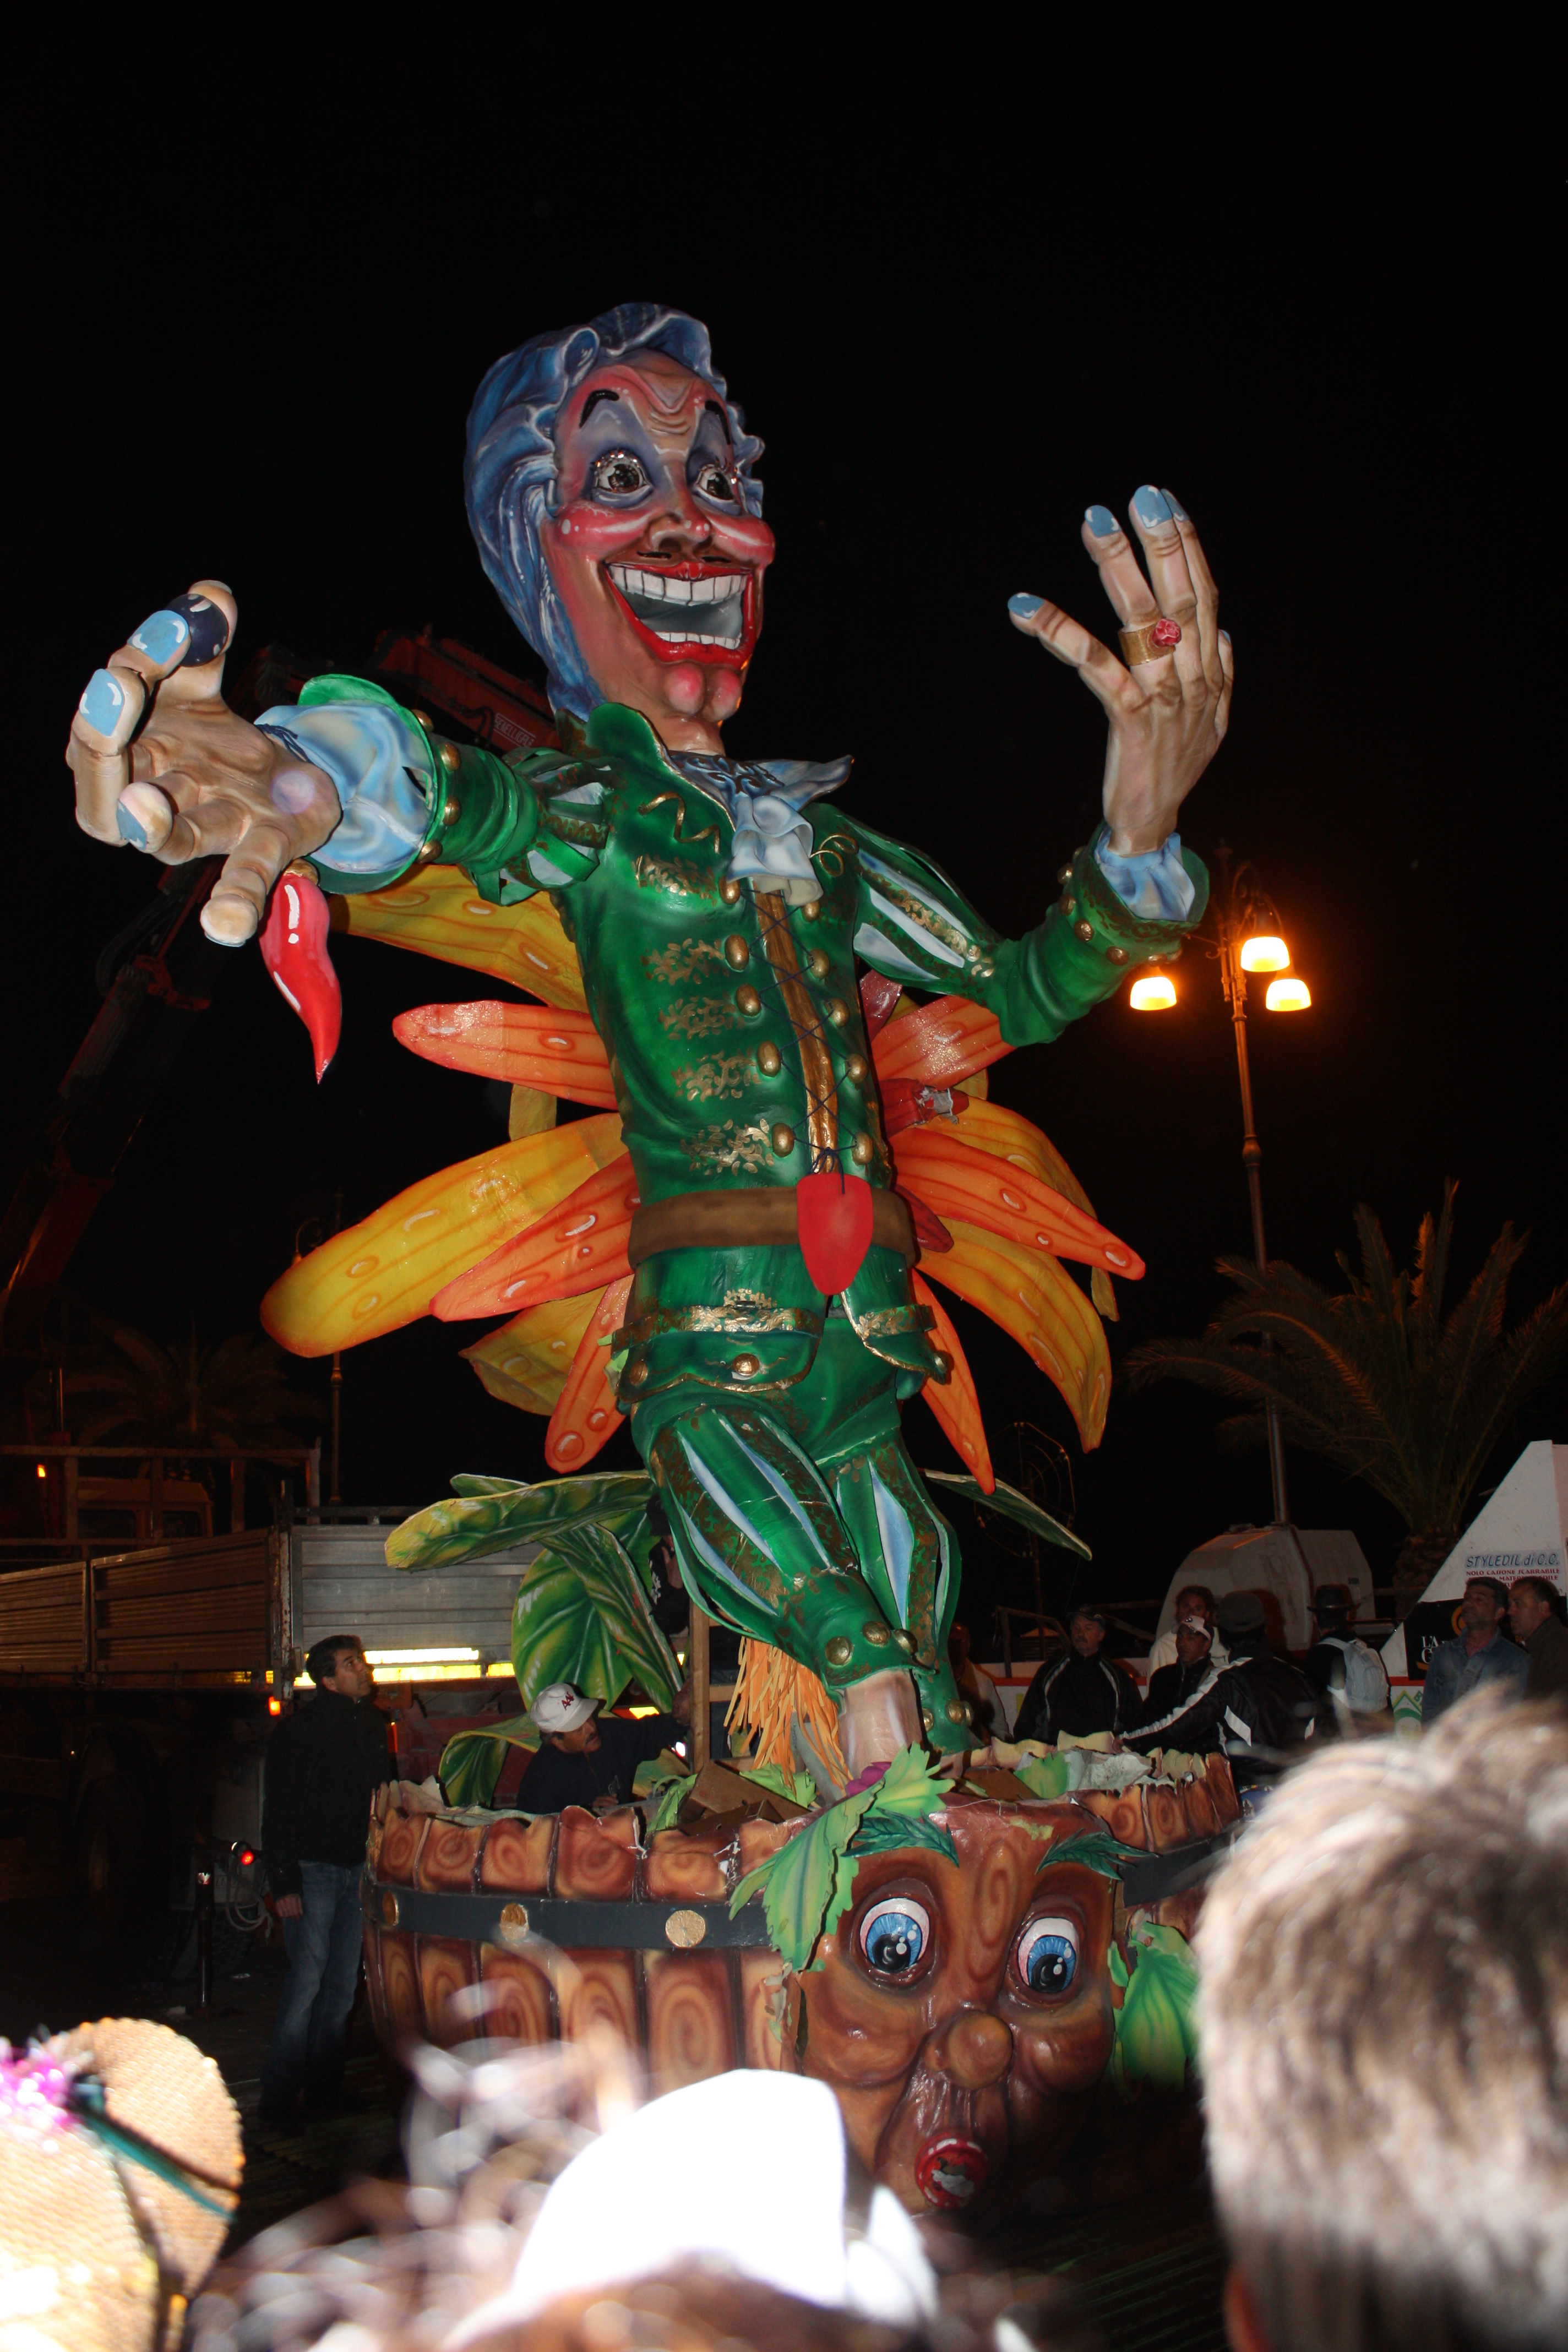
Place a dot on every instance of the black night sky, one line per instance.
(250, 352)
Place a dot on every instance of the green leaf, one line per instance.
(886, 1832)
(807, 1885)
(582, 1616)
(1156, 2028)
(471, 1763)
(911, 1785)
(675, 1794)
(1045, 1776)
(1096, 1850)
(492, 1514)
(1010, 1505)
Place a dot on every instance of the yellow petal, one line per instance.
(1038, 1303)
(526, 1362)
(436, 912)
(383, 1271)
(987, 1126)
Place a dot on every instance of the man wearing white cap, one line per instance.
(589, 1758)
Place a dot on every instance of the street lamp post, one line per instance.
(1249, 940)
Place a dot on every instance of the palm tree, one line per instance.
(125, 1388)
(1375, 1376)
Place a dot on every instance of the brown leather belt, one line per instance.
(759, 1217)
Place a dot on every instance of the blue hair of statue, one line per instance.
(509, 470)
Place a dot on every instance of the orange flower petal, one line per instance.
(936, 1163)
(436, 912)
(526, 1044)
(956, 1404)
(1036, 1302)
(580, 1244)
(942, 1042)
(586, 1417)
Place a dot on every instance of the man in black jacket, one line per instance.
(324, 1764)
(1170, 1687)
(589, 1758)
(1258, 1701)
(1082, 1693)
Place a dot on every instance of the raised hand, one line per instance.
(162, 763)
(1168, 700)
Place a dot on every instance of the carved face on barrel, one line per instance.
(963, 2016)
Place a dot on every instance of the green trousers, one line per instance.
(799, 1519)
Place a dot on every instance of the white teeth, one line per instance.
(711, 589)
(685, 637)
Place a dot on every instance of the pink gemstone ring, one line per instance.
(1150, 640)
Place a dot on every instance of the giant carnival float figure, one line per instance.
(727, 1252)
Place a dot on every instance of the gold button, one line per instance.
(819, 962)
(955, 1711)
(928, 1719)
(388, 1907)
(944, 1363)
(1084, 931)
(855, 1068)
(737, 953)
(902, 1638)
(451, 810)
(745, 1368)
(781, 1138)
(862, 1151)
(748, 1002)
(451, 759)
(837, 1011)
(1066, 902)
(839, 1651)
(425, 720)
(639, 1372)
(875, 1633)
(812, 909)
(769, 1060)
(431, 849)
(1117, 955)
(1064, 874)
(729, 892)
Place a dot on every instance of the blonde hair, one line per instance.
(1384, 2035)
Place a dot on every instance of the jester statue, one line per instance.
(727, 1253)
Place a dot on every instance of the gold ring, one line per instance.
(1150, 641)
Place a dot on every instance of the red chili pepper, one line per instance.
(294, 949)
(833, 1218)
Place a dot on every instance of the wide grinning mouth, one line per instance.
(685, 608)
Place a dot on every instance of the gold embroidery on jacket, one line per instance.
(684, 960)
(705, 1018)
(708, 833)
(725, 1073)
(674, 874)
(729, 1148)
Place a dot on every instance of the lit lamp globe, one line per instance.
(1152, 992)
(1265, 952)
(1291, 995)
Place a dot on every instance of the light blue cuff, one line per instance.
(1154, 885)
(381, 769)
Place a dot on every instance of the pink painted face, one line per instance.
(963, 2017)
(651, 549)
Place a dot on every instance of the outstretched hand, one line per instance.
(160, 762)
(1167, 715)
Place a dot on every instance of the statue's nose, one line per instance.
(972, 2049)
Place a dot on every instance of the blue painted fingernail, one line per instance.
(161, 635)
(131, 828)
(1149, 507)
(102, 703)
(1024, 608)
(1226, 634)
(1100, 520)
(1174, 503)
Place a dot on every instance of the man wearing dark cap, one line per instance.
(1171, 1686)
(1257, 1702)
(1480, 1652)
(1081, 1693)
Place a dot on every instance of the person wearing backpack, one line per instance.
(1350, 1675)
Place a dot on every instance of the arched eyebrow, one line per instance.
(604, 392)
(715, 408)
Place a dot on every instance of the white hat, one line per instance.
(561, 1707)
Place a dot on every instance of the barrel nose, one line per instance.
(972, 2049)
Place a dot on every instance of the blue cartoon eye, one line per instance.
(894, 1935)
(1046, 1954)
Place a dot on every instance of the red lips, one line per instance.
(952, 2170)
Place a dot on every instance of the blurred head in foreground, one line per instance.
(1383, 1971)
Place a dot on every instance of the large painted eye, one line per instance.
(1047, 1956)
(619, 474)
(895, 1934)
(716, 481)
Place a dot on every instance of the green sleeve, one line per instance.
(913, 924)
(535, 821)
